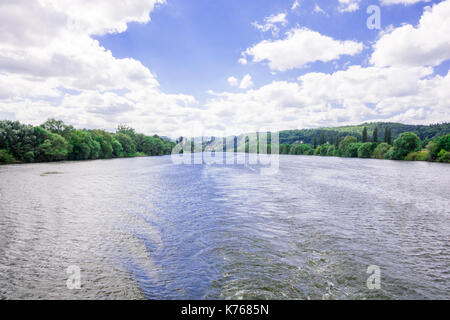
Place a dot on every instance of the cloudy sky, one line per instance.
(203, 67)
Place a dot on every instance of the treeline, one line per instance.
(407, 146)
(424, 132)
(56, 141)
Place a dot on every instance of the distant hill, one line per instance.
(423, 131)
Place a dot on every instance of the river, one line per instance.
(145, 228)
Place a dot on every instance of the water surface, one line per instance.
(146, 228)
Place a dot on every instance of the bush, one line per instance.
(331, 151)
(343, 145)
(301, 149)
(423, 155)
(322, 150)
(381, 150)
(351, 150)
(444, 156)
(444, 143)
(366, 150)
(405, 144)
(6, 157)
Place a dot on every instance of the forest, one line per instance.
(55, 141)
(373, 144)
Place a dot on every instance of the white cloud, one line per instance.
(318, 9)
(246, 82)
(300, 47)
(426, 44)
(348, 5)
(242, 60)
(404, 2)
(295, 5)
(271, 22)
(353, 5)
(232, 81)
(345, 97)
(50, 66)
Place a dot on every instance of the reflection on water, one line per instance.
(145, 228)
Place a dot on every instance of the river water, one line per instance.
(145, 228)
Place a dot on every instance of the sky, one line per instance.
(224, 67)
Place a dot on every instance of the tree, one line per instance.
(387, 135)
(128, 146)
(125, 129)
(343, 145)
(57, 126)
(381, 150)
(117, 148)
(104, 139)
(323, 138)
(364, 135)
(55, 148)
(406, 143)
(366, 150)
(81, 142)
(315, 140)
(6, 157)
(444, 143)
(375, 135)
(351, 151)
(301, 149)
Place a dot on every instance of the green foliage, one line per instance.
(423, 155)
(375, 135)
(322, 150)
(366, 150)
(6, 157)
(126, 130)
(301, 149)
(351, 151)
(444, 156)
(128, 146)
(381, 150)
(432, 149)
(104, 139)
(345, 143)
(388, 135)
(331, 151)
(364, 135)
(81, 142)
(117, 148)
(53, 149)
(444, 143)
(406, 143)
(56, 141)
(58, 127)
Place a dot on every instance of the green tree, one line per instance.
(128, 146)
(315, 140)
(364, 135)
(381, 150)
(323, 138)
(58, 127)
(117, 148)
(127, 130)
(406, 143)
(388, 135)
(366, 150)
(375, 135)
(6, 157)
(351, 151)
(343, 145)
(55, 148)
(81, 143)
(444, 143)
